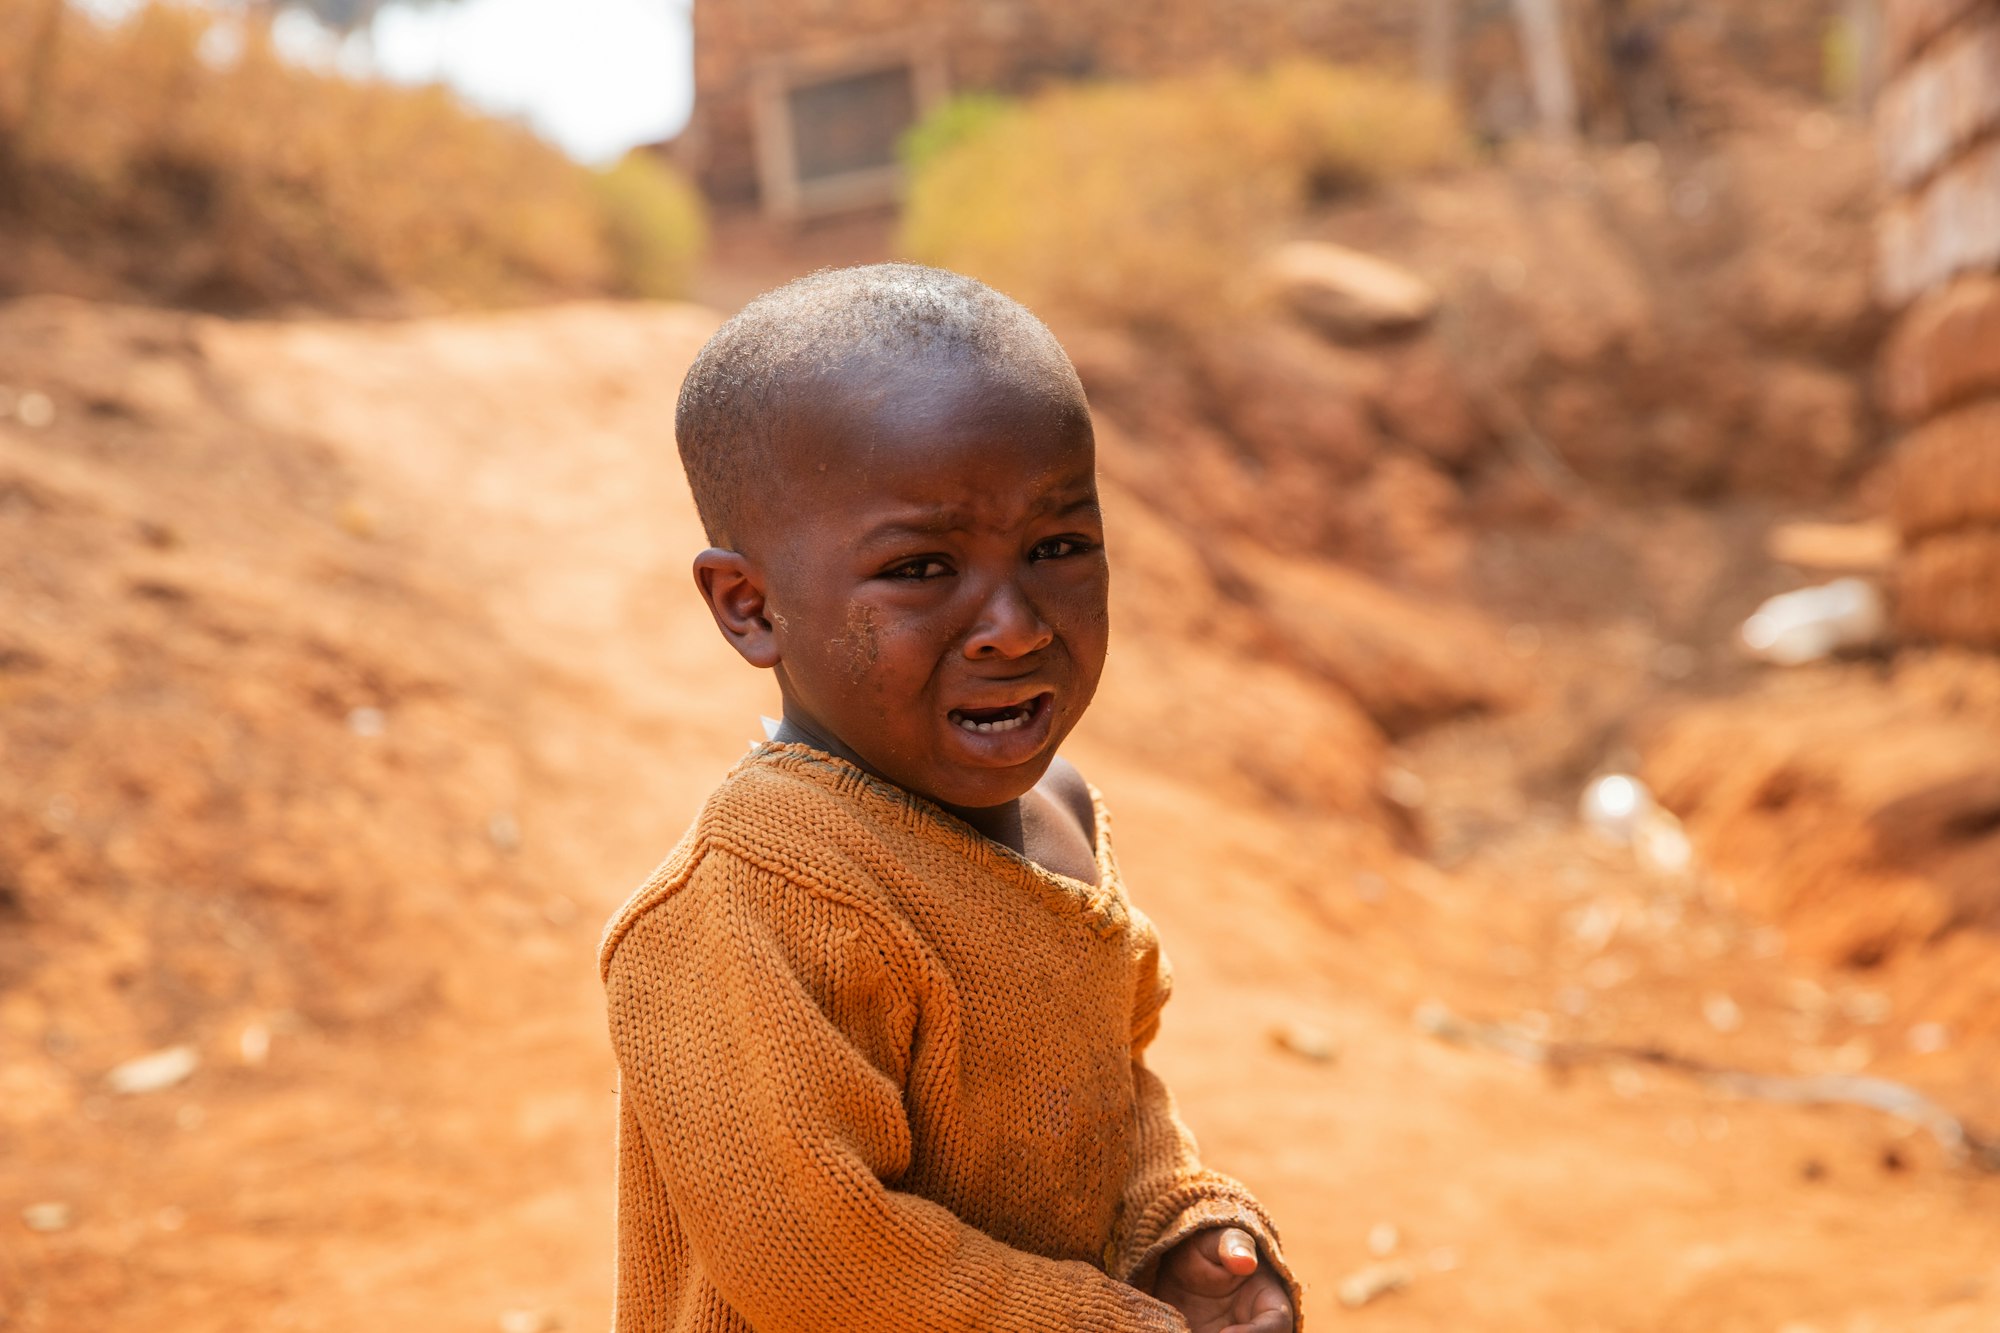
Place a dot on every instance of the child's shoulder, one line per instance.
(775, 820)
(1076, 799)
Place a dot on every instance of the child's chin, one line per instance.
(979, 787)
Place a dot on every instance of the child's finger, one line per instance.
(1270, 1310)
(1269, 1321)
(1214, 1262)
(1236, 1250)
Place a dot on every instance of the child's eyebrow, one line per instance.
(1071, 502)
(942, 519)
(923, 523)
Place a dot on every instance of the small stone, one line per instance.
(1383, 1238)
(46, 1217)
(1662, 845)
(253, 1044)
(1403, 787)
(151, 1073)
(529, 1321)
(1368, 1284)
(1306, 1041)
(1806, 996)
(1854, 1056)
(1723, 1014)
(1870, 1008)
(503, 832)
(1434, 1019)
(1347, 295)
(1612, 806)
(36, 411)
(1795, 628)
(1928, 1038)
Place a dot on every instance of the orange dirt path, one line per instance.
(440, 1168)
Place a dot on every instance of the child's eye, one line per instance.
(1055, 548)
(916, 571)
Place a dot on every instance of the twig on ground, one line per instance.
(1531, 447)
(1964, 1147)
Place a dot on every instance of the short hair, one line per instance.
(744, 379)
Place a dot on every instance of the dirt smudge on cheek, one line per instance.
(858, 642)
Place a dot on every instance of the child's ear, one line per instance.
(734, 591)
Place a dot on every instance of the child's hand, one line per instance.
(1214, 1279)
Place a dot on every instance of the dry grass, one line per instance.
(1141, 202)
(234, 179)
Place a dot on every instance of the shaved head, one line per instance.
(816, 335)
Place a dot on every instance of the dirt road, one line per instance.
(440, 1157)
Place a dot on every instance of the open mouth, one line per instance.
(1011, 717)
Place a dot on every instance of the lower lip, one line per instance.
(1017, 745)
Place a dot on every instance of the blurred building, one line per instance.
(1938, 119)
(799, 103)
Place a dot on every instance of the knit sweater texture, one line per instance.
(879, 1072)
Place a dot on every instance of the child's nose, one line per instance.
(1009, 625)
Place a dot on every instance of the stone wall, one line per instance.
(1939, 124)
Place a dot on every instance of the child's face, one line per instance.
(936, 582)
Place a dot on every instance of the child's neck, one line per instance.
(1002, 823)
(1040, 825)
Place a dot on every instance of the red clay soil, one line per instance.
(351, 676)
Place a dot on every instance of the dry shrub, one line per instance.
(232, 178)
(1141, 202)
(653, 220)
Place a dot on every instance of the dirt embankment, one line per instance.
(1639, 323)
(355, 677)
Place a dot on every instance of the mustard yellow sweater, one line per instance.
(878, 1072)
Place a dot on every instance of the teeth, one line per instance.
(1003, 724)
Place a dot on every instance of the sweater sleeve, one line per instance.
(761, 1032)
(1170, 1196)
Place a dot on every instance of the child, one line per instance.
(880, 1016)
